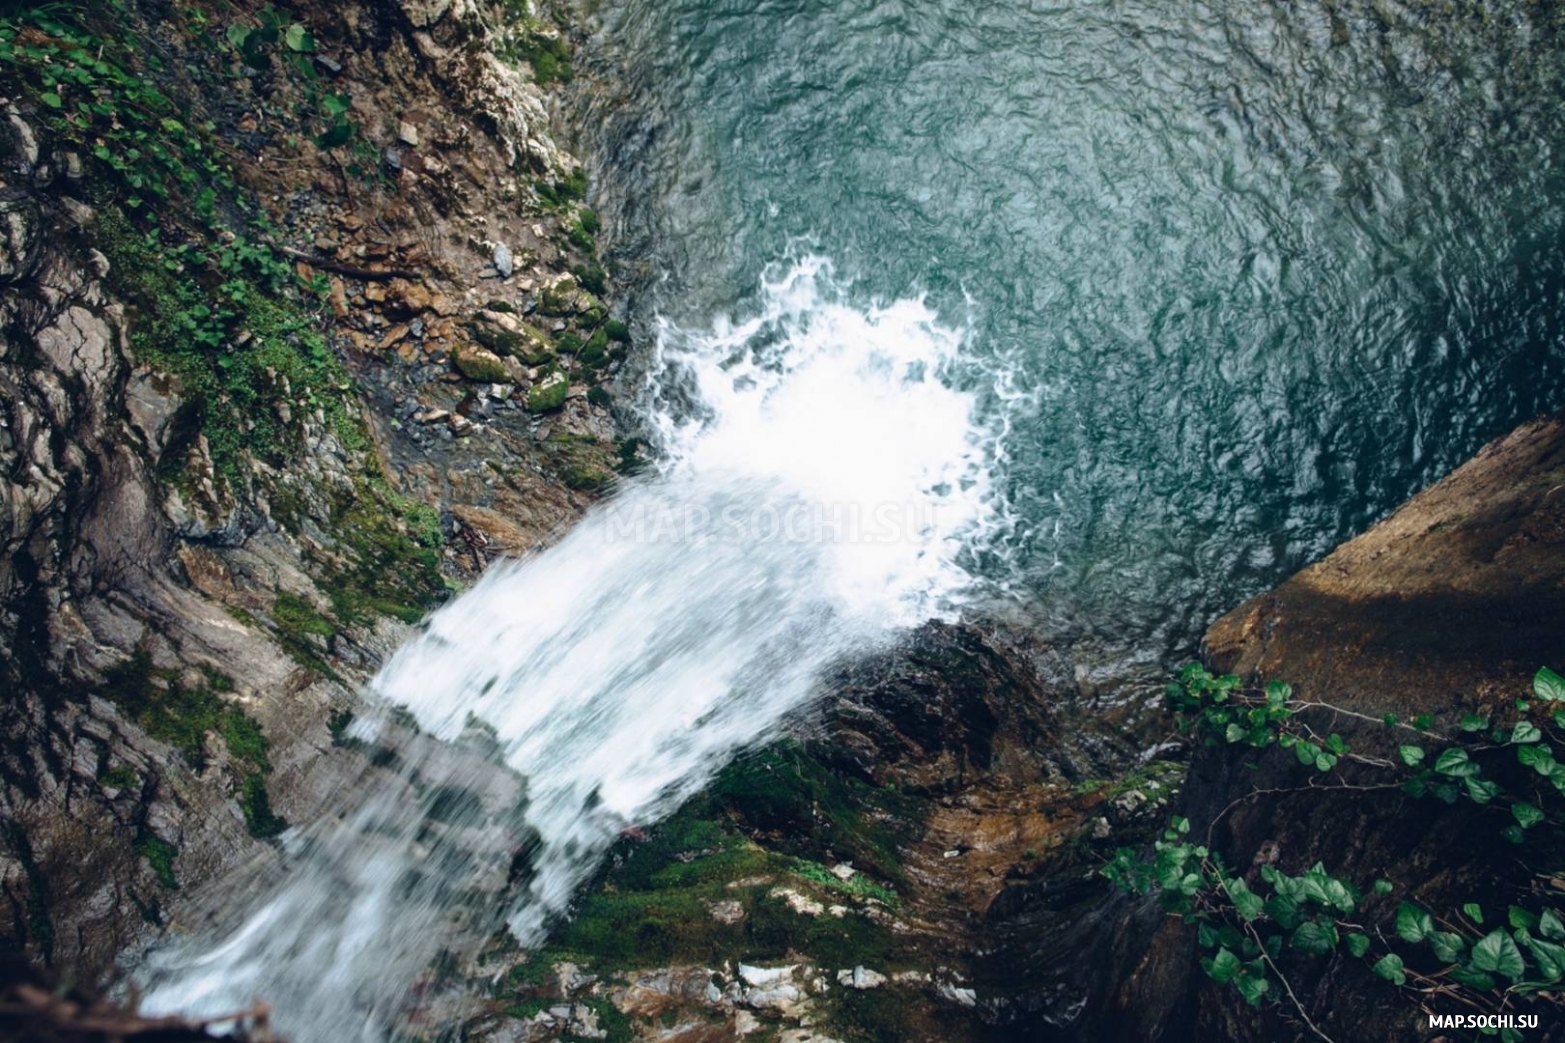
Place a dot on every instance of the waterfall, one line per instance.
(822, 473)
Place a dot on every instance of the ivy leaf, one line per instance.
(1496, 953)
(298, 38)
(1538, 757)
(1383, 887)
(1412, 756)
(1526, 815)
(1472, 979)
(1521, 919)
(51, 99)
(1481, 790)
(1473, 912)
(1223, 967)
(1549, 956)
(1233, 733)
(1447, 945)
(1253, 987)
(1455, 763)
(1514, 834)
(1525, 732)
(1315, 937)
(1389, 967)
(1548, 685)
(1284, 910)
(1358, 944)
(1278, 692)
(1549, 924)
(1413, 924)
(1472, 722)
(1246, 902)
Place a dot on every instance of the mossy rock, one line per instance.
(549, 393)
(567, 297)
(505, 334)
(597, 349)
(481, 365)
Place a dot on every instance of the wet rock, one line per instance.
(502, 261)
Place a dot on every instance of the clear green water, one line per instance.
(1251, 273)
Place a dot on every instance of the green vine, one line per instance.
(1244, 926)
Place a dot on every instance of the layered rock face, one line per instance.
(189, 591)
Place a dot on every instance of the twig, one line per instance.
(353, 271)
(1255, 936)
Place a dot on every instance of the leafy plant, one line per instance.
(1245, 922)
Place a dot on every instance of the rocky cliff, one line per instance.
(301, 327)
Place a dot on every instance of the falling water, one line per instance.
(822, 480)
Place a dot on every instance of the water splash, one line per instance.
(821, 479)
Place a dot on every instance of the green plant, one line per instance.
(1245, 925)
(184, 716)
(289, 45)
(160, 855)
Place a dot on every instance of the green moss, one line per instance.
(587, 477)
(596, 349)
(617, 331)
(184, 716)
(653, 903)
(858, 886)
(528, 345)
(591, 276)
(561, 193)
(234, 339)
(581, 237)
(121, 776)
(798, 803)
(549, 393)
(260, 820)
(617, 1026)
(878, 1015)
(394, 549)
(599, 396)
(296, 615)
(159, 855)
(482, 366)
(300, 629)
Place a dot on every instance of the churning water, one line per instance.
(1255, 270)
(821, 486)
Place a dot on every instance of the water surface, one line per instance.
(1241, 277)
